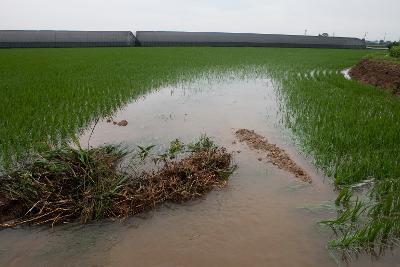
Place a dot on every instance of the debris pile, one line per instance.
(67, 184)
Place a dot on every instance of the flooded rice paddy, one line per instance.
(265, 217)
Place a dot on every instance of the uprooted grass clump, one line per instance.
(67, 184)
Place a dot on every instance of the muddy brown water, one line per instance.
(264, 217)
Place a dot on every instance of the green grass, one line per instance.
(394, 51)
(384, 56)
(350, 130)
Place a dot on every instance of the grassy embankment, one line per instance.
(384, 57)
(351, 130)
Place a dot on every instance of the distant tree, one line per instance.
(392, 44)
(394, 51)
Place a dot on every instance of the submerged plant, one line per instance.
(204, 142)
(369, 223)
(145, 151)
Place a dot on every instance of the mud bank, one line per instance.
(276, 155)
(382, 74)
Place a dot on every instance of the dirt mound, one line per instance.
(276, 155)
(118, 123)
(383, 74)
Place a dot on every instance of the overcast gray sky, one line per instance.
(342, 17)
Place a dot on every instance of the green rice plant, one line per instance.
(344, 197)
(350, 130)
(375, 222)
(49, 95)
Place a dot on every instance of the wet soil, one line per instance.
(275, 154)
(380, 73)
(118, 123)
(9, 209)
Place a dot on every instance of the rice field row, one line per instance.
(49, 94)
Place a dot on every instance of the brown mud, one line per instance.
(381, 73)
(276, 155)
(118, 123)
(9, 208)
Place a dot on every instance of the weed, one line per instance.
(175, 147)
(204, 142)
(145, 151)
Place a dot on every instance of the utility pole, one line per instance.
(384, 38)
(365, 35)
(305, 32)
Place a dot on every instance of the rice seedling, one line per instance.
(351, 131)
(49, 95)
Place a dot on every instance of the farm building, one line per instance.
(167, 38)
(19, 39)
(15, 39)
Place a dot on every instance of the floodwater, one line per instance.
(264, 217)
